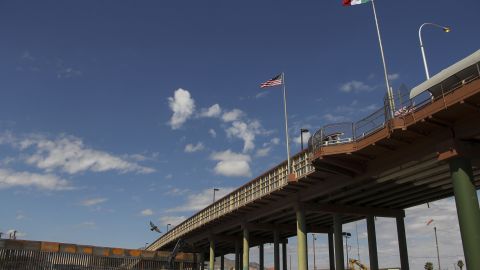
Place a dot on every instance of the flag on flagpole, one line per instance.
(277, 80)
(354, 2)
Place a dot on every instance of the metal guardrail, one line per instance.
(340, 133)
(271, 181)
(23, 259)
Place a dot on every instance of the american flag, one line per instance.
(277, 80)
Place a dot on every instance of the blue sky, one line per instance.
(115, 113)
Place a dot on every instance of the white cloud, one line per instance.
(70, 155)
(212, 111)
(275, 141)
(172, 220)
(262, 94)
(306, 136)
(190, 148)
(393, 77)
(177, 192)
(198, 201)
(232, 164)
(68, 72)
(9, 178)
(146, 212)
(232, 115)
(93, 201)
(87, 225)
(212, 133)
(263, 152)
(182, 106)
(334, 118)
(355, 86)
(245, 132)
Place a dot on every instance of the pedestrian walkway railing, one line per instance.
(271, 181)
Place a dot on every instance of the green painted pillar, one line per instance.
(372, 243)
(222, 262)
(402, 243)
(276, 249)
(331, 252)
(260, 257)
(246, 249)
(284, 255)
(338, 237)
(302, 252)
(237, 255)
(211, 264)
(468, 211)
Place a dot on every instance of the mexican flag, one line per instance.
(354, 2)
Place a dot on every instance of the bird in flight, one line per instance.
(154, 227)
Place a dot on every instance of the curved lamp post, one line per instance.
(444, 28)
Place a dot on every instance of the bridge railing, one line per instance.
(268, 182)
(340, 133)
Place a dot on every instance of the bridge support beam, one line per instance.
(331, 252)
(211, 264)
(237, 255)
(337, 230)
(276, 249)
(222, 262)
(260, 257)
(301, 238)
(468, 211)
(402, 243)
(284, 255)
(372, 243)
(246, 249)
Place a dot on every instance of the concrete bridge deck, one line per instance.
(403, 162)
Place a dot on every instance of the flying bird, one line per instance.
(154, 227)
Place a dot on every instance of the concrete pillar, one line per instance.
(246, 250)
(337, 230)
(284, 255)
(331, 253)
(468, 211)
(372, 243)
(402, 243)
(302, 252)
(222, 262)
(237, 255)
(211, 264)
(260, 257)
(276, 250)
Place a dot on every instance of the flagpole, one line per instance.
(286, 122)
(389, 90)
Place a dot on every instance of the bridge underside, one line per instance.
(402, 165)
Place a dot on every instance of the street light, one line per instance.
(302, 130)
(215, 190)
(314, 260)
(436, 240)
(168, 225)
(347, 235)
(445, 29)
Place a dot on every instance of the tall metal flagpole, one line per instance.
(389, 90)
(286, 122)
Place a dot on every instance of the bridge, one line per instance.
(376, 167)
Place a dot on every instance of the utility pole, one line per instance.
(314, 259)
(438, 252)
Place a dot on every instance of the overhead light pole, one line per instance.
(302, 130)
(444, 28)
(168, 225)
(314, 258)
(215, 190)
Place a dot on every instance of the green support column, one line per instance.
(246, 249)
(337, 230)
(237, 255)
(222, 262)
(211, 264)
(276, 249)
(331, 252)
(372, 243)
(468, 211)
(402, 243)
(260, 257)
(301, 239)
(284, 255)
